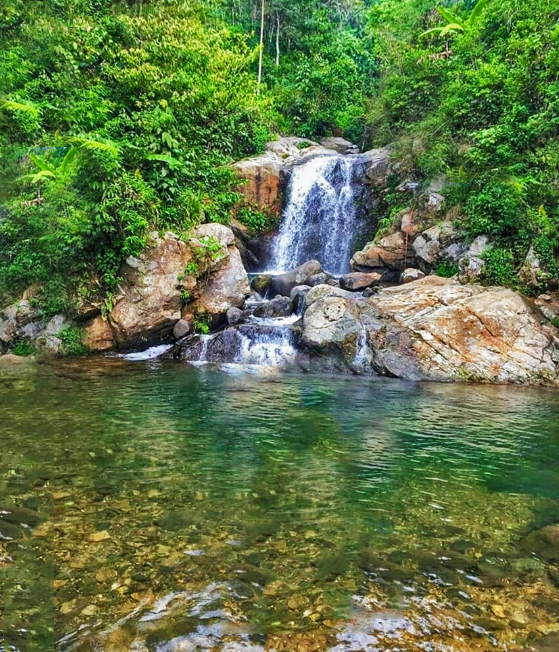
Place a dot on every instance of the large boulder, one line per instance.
(278, 307)
(359, 281)
(472, 263)
(284, 283)
(156, 286)
(339, 145)
(431, 244)
(438, 329)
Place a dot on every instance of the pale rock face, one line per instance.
(359, 281)
(438, 329)
(340, 145)
(530, 269)
(429, 244)
(471, 264)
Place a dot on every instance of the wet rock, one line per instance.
(284, 283)
(181, 329)
(409, 275)
(280, 306)
(359, 281)
(491, 575)
(491, 625)
(549, 604)
(528, 570)
(261, 284)
(544, 543)
(9, 531)
(235, 316)
(554, 575)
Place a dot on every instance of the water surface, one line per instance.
(157, 507)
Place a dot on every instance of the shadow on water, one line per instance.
(160, 507)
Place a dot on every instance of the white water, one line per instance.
(319, 220)
(149, 354)
(363, 354)
(273, 349)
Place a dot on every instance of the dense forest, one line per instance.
(120, 117)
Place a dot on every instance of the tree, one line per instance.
(455, 24)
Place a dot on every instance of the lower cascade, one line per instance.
(320, 218)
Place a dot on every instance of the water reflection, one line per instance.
(159, 507)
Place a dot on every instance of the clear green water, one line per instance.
(150, 506)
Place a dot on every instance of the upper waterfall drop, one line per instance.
(320, 218)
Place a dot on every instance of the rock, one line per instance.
(98, 537)
(318, 279)
(47, 341)
(531, 269)
(471, 264)
(297, 296)
(544, 543)
(409, 225)
(261, 284)
(228, 284)
(278, 307)
(98, 335)
(378, 165)
(284, 283)
(235, 316)
(264, 176)
(429, 244)
(437, 329)
(340, 145)
(389, 253)
(182, 328)
(150, 302)
(359, 280)
(409, 275)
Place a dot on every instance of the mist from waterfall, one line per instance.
(320, 218)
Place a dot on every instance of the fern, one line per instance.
(93, 144)
(21, 108)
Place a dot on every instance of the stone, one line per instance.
(409, 275)
(318, 279)
(284, 283)
(340, 145)
(98, 537)
(235, 316)
(389, 253)
(437, 329)
(181, 329)
(98, 335)
(544, 543)
(261, 284)
(429, 244)
(472, 264)
(409, 225)
(378, 165)
(297, 296)
(279, 307)
(530, 270)
(359, 281)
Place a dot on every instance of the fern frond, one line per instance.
(22, 108)
(93, 144)
(40, 162)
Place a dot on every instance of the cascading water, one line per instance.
(320, 218)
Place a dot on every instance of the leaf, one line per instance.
(17, 106)
(448, 16)
(93, 144)
(40, 162)
(164, 159)
(453, 27)
(68, 159)
(477, 11)
(434, 30)
(42, 175)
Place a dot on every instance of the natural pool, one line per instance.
(155, 506)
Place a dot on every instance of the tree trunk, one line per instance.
(277, 39)
(261, 46)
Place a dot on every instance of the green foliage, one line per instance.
(447, 269)
(131, 122)
(499, 267)
(455, 23)
(202, 324)
(72, 341)
(484, 112)
(24, 349)
(555, 322)
(257, 221)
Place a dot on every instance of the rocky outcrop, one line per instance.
(263, 176)
(156, 288)
(359, 281)
(389, 254)
(21, 323)
(436, 329)
(339, 145)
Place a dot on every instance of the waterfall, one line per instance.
(319, 221)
